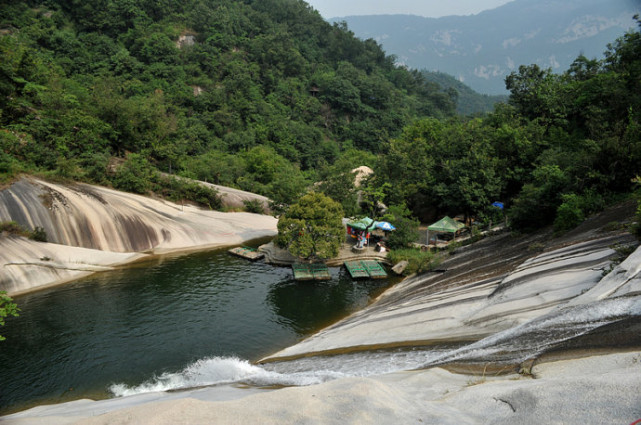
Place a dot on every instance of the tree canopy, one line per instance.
(266, 96)
(199, 88)
(7, 308)
(312, 228)
(562, 147)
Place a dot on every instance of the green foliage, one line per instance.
(13, 228)
(312, 228)
(449, 165)
(536, 205)
(271, 98)
(418, 261)
(373, 196)
(91, 80)
(180, 189)
(340, 187)
(468, 102)
(7, 308)
(38, 234)
(636, 229)
(570, 213)
(134, 175)
(406, 231)
(254, 206)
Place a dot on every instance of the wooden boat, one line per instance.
(365, 269)
(310, 272)
(246, 252)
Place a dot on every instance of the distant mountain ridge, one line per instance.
(480, 50)
(468, 101)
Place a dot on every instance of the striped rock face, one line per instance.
(108, 221)
(493, 316)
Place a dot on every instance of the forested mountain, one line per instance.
(481, 50)
(266, 96)
(468, 102)
(254, 94)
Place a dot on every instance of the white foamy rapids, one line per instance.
(516, 344)
(222, 370)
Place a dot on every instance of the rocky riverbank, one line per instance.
(93, 228)
(528, 329)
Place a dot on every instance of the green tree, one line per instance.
(7, 308)
(312, 228)
(406, 227)
(135, 175)
(570, 213)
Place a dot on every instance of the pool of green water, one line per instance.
(127, 326)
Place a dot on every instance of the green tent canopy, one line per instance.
(446, 224)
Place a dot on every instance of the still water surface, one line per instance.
(157, 319)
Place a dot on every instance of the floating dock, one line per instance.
(365, 269)
(248, 253)
(311, 272)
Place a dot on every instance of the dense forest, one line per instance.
(260, 95)
(468, 102)
(266, 96)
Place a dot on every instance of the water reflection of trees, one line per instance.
(306, 307)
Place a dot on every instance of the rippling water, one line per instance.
(171, 323)
(203, 319)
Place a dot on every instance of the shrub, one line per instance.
(7, 308)
(38, 234)
(203, 195)
(178, 189)
(134, 175)
(13, 228)
(312, 228)
(570, 213)
(418, 261)
(406, 227)
(254, 206)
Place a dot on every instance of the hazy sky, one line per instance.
(430, 8)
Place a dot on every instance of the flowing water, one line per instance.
(202, 319)
(171, 323)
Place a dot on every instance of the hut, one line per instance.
(445, 226)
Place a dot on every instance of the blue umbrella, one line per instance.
(384, 225)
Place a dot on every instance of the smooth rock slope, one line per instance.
(90, 228)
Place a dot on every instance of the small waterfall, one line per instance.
(220, 371)
(512, 346)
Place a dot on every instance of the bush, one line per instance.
(418, 261)
(575, 208)
(38, 234)
(13, 228)
(202, 195)
(312, 228)
(134, 175)
(254, 206)
(178, 189)
(570, 213)
(406, 227)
